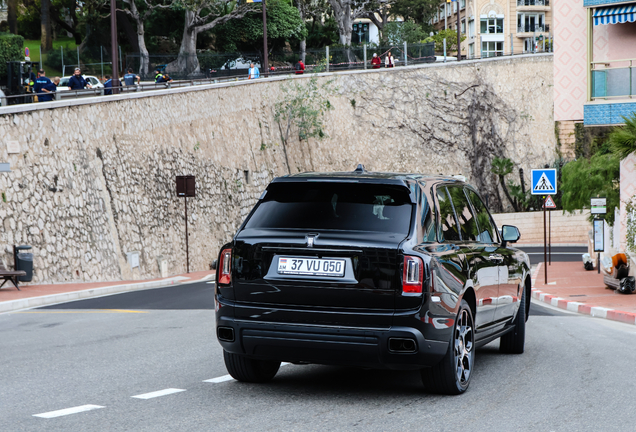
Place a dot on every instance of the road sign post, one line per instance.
(186, 187)
(598, 206)
(544, 182)
(549, 204)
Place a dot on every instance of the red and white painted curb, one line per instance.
(578, 307)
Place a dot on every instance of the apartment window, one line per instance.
(454, 7)
(471, 28)
(530, 22)
(533, 2)
(491, 49)
(462, 4)
(463, 26)
(491, 25)
(471, 50)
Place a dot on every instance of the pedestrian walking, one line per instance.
(40, 82)
(108, 85)
(49, 89)
(389, 61)
(77, 81)
(376, 62)
(300, 67)
(253, 72)
(130, 77)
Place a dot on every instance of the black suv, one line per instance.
(379, 270)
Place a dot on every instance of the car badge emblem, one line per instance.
(310, 239)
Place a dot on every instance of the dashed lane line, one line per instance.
(158, 393)
(68, 411)
(220, 379)
(225, 378)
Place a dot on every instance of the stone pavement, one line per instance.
(573, 288)
(40, 295)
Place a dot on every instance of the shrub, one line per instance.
(10, 50)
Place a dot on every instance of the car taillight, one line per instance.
(225, 267)
(413, 275)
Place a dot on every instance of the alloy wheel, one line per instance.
(464, 337)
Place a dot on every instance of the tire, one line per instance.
(250, 370)
(452, 375)
(513, 342)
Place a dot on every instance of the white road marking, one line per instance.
(229, 377)
(220, 379)
(67, 411)
(158, 393)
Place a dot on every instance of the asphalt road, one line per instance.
(576, 375)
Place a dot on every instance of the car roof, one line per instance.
(361, 174)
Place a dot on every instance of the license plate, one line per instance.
(311, 266)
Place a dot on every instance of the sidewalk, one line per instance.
(41, 295)
(573, 288)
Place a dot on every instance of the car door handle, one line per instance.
(496, 258)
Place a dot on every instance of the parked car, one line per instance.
(94, 81)
(377, 270)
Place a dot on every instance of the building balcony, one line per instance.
(528, 30)
(533, 5)
(613, 92)
(521, 3)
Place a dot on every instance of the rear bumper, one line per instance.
(330, 345)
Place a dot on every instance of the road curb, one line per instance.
(578, 307)
(47, 300)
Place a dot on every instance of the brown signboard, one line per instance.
(186, 186)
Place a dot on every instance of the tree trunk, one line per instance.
(505, 189)
(144, 58)
(12, 16)
(187, 61)
(45, 20)
(303, 49)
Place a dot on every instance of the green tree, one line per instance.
(622, 140)
(418, 11)
(584, 178)
(399, 32)
(283, 25)
(10, 50)
(501, 167)
(301, 110)
(451, 40)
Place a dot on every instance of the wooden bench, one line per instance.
(10, 275)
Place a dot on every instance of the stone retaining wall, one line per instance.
(94, 180)
(566, 228)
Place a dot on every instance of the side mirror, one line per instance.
(510, 234)
(213, 265)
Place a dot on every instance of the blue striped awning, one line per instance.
(615, 14)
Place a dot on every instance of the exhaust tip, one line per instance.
(402, 345)
(225, 334)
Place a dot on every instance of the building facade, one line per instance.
(498, 27)
(594, 63)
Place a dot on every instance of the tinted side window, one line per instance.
(448, 225)
(464, 213)
(427, 220)
(488, 233)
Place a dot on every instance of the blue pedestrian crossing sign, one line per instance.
(544, 181)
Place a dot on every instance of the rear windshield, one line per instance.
(334, 206)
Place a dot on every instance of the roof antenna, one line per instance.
(360, 168)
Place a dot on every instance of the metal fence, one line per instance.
(218, 68)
